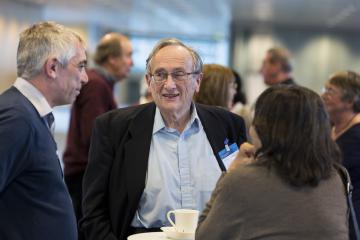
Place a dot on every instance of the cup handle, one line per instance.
(169, 218)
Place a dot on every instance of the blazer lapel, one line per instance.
(137, 150)
(215, 135)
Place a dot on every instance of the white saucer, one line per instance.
(147, 236)
(171, 232)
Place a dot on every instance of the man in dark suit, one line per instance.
(149, 159)
(34, 201)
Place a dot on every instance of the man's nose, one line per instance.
(84, 79)
(169, 81)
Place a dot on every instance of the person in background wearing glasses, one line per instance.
(34, 200)
(342, 100)
(146, 160)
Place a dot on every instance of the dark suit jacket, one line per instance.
(34, 201)
(115, 177)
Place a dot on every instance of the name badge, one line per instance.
(228, 154)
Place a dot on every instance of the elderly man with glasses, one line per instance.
(152, 158)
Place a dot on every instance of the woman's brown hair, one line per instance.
(294, 129)
(214, 87)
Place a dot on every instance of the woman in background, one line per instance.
(285, 186)
(240, 106)
(342, 100)
(240, 96)
(217, 87)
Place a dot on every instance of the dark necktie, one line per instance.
(50, 122)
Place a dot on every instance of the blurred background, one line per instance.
(322, 35)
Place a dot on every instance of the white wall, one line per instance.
(13, 19)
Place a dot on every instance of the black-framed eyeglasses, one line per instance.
(177, 76)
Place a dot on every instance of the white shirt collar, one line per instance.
(160, 124)
(33, 95)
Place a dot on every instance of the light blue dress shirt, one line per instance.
(182, 172)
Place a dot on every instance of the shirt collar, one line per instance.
(194, 121)
(106, 74)
(33, 95)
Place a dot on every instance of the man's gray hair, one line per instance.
(281, 55)
(42, 41)
(198, 64)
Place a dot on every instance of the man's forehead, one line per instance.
(126, 43)
(172, 56)
(80, 55)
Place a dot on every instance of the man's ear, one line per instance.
(51, 67)
(148, 79)
(198, 81)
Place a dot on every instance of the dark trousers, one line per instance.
(74, 185)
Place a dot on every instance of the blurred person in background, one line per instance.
(218, 86)
(240, 102)
(34, 200)
(342, 100)
(287, 184)
(145, 94)
(276, 67)
(148, 159)
(113, 58)
(239, 96)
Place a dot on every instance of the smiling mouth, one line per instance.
(171, 95)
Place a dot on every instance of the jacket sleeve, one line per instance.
(209, 204)
(222, 216)
(14, 148)
(96, 214)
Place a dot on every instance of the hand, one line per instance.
(244, 156)
(247, 150)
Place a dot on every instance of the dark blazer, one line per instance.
(115, 177)
(34, 201)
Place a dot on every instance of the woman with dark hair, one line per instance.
(239, 103)
(239, 95)
(342, 100)
(285, 186)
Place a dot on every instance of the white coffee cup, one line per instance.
(185, 220)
